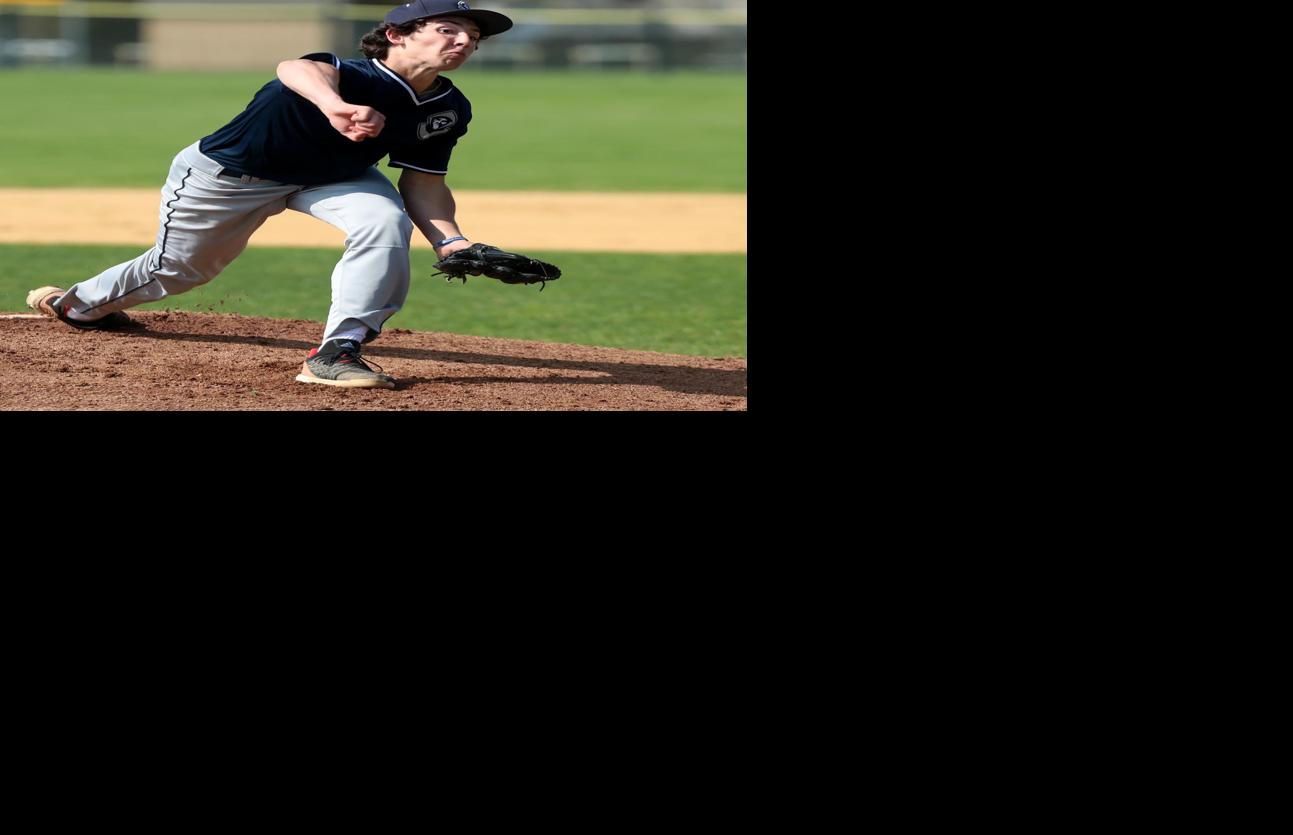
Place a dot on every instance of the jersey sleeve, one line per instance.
(431, 155)
(323, 58)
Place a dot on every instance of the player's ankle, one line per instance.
(356, 334)
(78, 317)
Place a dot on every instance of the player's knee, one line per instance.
(389, 226)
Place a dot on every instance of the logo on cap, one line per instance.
(463, 6)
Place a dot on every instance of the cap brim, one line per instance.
(490, 23)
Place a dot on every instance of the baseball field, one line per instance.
(633, 183)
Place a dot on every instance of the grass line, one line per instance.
(682, 304)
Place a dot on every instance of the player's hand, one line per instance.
(449, 249)
(367, 121)
(356, 122)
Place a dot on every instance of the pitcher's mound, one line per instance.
(208, 361)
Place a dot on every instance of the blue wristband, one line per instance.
(439, 244)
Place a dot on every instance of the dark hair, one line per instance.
(375, 45)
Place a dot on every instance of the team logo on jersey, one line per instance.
(437, 124)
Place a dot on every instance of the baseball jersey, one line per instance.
(282, 136)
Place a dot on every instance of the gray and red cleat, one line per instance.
(337, 363)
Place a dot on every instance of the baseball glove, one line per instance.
(492, 262)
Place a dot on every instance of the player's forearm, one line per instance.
(318, 83)
(432, 209)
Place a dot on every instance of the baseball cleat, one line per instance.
(338, 364)
(45, 300)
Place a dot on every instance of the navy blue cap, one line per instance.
(490, 23)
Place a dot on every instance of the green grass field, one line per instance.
(610, 131)
(680, 304)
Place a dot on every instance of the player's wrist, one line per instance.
(438, 244)
(334, 105)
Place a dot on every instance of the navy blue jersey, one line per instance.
(282, 136)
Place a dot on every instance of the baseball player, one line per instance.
(310, 141)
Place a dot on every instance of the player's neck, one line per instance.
(420, 80)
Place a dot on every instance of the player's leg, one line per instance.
(205, 221)
(371, 281)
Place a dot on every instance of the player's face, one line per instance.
(448, 41)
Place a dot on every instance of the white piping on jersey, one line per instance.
(336, 62)
(415, 168)
(404, 84)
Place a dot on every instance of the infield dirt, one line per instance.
(516, 220)
(181, 361)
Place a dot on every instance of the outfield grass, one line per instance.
(611, 131)
(681, 304)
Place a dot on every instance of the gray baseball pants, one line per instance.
(207, 217)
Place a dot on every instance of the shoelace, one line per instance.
(348, 358)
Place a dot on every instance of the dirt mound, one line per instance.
(180, 361)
